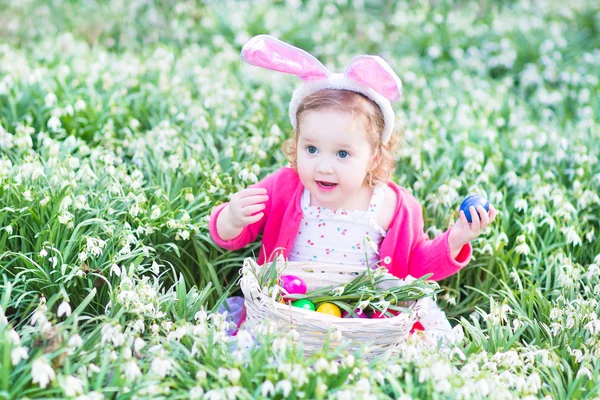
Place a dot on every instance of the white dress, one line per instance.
(352, 237)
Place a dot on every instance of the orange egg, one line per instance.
(330, 308)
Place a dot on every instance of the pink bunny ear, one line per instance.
(271, 53)
(374, 72)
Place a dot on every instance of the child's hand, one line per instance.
(245, 205)
(463, 232)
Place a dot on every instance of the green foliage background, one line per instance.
(123, 123)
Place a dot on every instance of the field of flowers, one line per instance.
(123, 122)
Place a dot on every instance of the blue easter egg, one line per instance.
(474, 200)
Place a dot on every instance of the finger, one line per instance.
(483, 216)
(254, 218)
(252, 191)
(462, 218)
(251, 200)
(253, 209)
(493, 213)
(476, 224)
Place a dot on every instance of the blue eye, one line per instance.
(343, 154)
(311, 149)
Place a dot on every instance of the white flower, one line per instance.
(155, 213)
(267, 389)
(50, 99)
(321, 365)
(572, 236)
(64, 309)
(114, 269)
(521, 205)
(72, 386)
(338, 291)
(132, 371)
(285, 387)
(54, 123)
(161, 366)
(42, 373)
(43, 253)
(17, 354)
(75, 341)
(523, 249)
(138, 344)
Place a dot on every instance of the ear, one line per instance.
(268, 52)
(374, 72)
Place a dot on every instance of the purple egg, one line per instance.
(359, 314)
(292, 285)
(474, 201)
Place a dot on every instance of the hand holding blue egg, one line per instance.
(469, 226)
(474, 201)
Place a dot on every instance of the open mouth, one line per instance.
(326, 185)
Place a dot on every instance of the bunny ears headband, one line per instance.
(368, 75)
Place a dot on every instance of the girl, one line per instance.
(337, 191)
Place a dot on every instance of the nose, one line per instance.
(324, 167)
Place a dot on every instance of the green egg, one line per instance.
(303, 303)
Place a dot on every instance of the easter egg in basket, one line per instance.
(330, 308)
(292, 284)
(304, 303)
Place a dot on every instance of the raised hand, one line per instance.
(464, 231)
(245, 207)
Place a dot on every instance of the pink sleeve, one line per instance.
(250, 232)
(433, 255)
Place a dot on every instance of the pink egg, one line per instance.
(361, 314)
(292, 285)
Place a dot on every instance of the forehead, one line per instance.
(337, 125)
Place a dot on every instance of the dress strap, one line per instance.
(376, 199)
(305, 200)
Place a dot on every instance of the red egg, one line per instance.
(292, 284)
(359, 314)
(380, 315)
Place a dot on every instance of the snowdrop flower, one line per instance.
(50, 99)
(338, 291)
(267, 389)
(75, 341)
(64, 309)
(523, 247)
(284, 387)
(138, 344)
(321, 365)
(155, 213)
(132, 370)
(161, 367)
(363, 304)
(42, 373)
(17, 354)
(114, 269)
(54, 123)
(72, 386)
(572, 236)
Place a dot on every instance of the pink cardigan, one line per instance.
(405, 250)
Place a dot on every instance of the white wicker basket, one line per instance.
(313, 327)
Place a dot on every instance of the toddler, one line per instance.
(337, 191)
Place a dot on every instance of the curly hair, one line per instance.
(359, 106)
